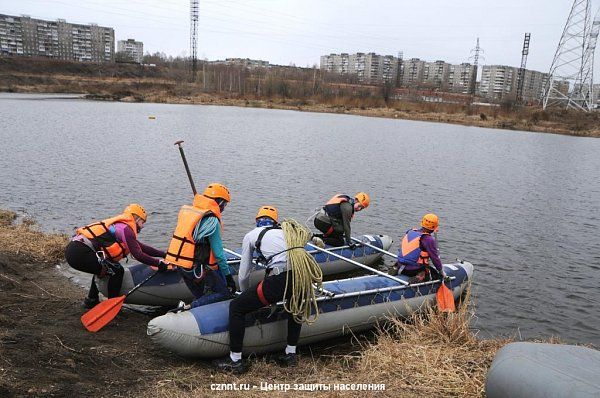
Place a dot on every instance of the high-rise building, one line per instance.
(131, 49)
(25, 36)
(413, 72)
(435, 75)
(499, 83)
(461, 78)
(367, 67)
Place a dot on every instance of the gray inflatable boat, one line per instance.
(534, 370)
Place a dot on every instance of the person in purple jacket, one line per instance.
(417, 248)
(98, 247)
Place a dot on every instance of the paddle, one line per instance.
(99, 316)
(444, 296)
(187, 168)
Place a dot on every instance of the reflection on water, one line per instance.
(523, 207)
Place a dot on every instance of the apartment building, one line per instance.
(596, 95)
(534, 83)
(461, 78)
(436, 74)
(247, 62)
(413, 72)
(367, 67)
(131, 49)
(499, 83)
(26, 36)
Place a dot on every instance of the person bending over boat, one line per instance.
(333, 220)
(417, 248)
(269, 241)
(197, 249)
(98, 247)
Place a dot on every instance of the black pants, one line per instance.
(430, 275)
(332, 238)
(273, 288)
(82, 258)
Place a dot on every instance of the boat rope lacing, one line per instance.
(305, 271)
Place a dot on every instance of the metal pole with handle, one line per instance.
(374, 247)
(187, 168)
(358, 264)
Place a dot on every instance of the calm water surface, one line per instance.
(523, 207)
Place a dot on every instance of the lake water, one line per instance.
(523, 207)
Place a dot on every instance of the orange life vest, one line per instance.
(182, 249)
(100, 234)
(332, 207)
(410, 252)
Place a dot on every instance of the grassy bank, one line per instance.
(278, 88)
(46, 352)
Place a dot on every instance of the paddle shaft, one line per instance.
(141, 283)
(358, 264)
(187, 168)
(374, 247)
(385, 251)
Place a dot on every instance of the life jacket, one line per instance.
(410, 252)
(183, 251)
(101, 236)
(332, 207)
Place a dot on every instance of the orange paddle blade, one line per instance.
(99, 316)
(445, 299)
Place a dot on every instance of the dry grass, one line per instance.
(430, 354)
(26, 239)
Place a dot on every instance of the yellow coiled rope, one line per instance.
(305, 271)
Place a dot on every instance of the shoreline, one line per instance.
(527, 119)
(46, 352)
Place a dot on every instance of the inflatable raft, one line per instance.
(168, 288)
(535, 370)
(358, 305)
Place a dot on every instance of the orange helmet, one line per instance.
(136, 210)
(214, 190)
(430, 221)
(363, 199)
(268, 211)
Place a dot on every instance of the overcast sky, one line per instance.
(299, 31)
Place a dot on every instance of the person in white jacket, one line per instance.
(268, 240)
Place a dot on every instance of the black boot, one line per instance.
(287, 360)
(228, 365)
(90, 302)
(93, 297)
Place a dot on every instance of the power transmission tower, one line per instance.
(521, 74)
(569, 72)
(476, 53)
(194, 13)
(400, 75)
(587, 85)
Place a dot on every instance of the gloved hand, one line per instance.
(163, 266)
(446, 278)
(230, 284)
(352, 245)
